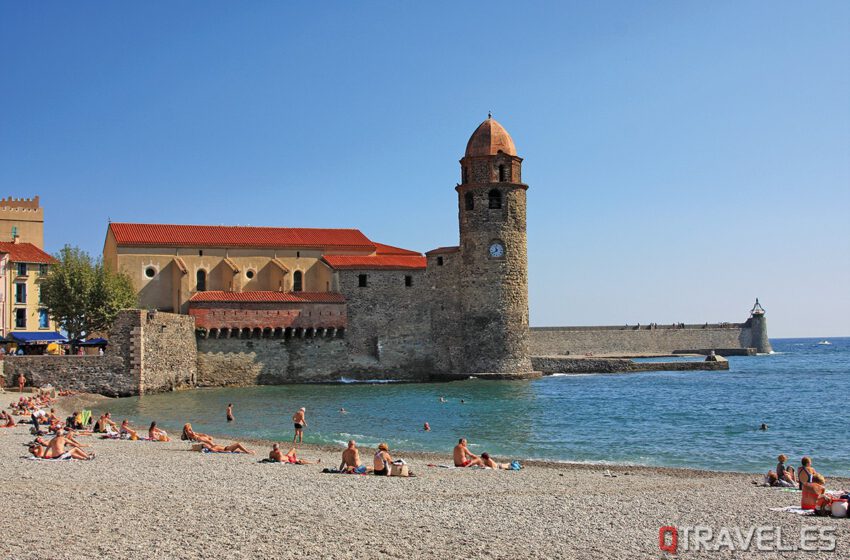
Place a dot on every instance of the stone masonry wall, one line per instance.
(547, 341)
(389, 322)
(275, 361)
(168, 351)
(105, 375)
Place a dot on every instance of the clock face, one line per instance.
(497, 250)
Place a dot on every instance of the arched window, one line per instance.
(468, 201)
(201, 280)
(297, 281)
(503, 174)
(495, 198)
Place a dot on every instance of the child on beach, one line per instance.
(782, 477)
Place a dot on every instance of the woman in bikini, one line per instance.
(190, 435)
(232, 448)
(156, 434)
(382, 460)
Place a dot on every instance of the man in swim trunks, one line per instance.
(299, 421)
(351, 459)
(55, 449)
(463, 457)
(230, 412)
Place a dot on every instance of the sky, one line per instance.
(683, 158)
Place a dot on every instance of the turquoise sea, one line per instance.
(686, 419)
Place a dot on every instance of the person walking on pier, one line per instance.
(300, 422)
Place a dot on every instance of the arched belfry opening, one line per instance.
(504, 173)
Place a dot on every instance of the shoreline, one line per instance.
(153, 500)
(91, 400)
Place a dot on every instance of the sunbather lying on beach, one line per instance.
(488, 461)
(232, 448)
(277, 456)
(190, 435)
(351, 460)
(463, 457)
(156, 434)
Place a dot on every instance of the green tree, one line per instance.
(82, 295)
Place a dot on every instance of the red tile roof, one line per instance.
(443, 251)
(171, 235)
(382, 249)
(25, 253)
(375, 262)
(265, 297)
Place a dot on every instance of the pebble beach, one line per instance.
(159, 500)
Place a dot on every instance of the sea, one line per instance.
(701, 419)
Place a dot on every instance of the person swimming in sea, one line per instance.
(230, 412)
(763, 427)
(427, 427)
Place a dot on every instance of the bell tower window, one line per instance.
(495, 199)
(201, 280)
(503, 174)
(468, 201)
(465, 178)
(297, 281)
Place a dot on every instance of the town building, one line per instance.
(23, 266)
(22, 219)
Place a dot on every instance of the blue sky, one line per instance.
(683, 158)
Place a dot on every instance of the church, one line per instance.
(359, 304)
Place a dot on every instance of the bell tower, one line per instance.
(494, 262)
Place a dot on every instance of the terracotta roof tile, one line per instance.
(375, 262)
(443, 251)
(268, 296)
(25, 252)
(382, 249)
(172, 235)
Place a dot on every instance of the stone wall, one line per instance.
(388, 321)
(276, 361)
(168, 352)
(635, 341)
(443, 278)
(561, 364)
(147, 353)
(92, 374)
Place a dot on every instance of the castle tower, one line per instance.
(22, 218)
(758, 328)
(494, 263)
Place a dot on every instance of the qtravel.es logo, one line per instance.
(676, 540)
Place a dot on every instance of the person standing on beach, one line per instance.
(21, 382)
(300, 422)
(230, 412)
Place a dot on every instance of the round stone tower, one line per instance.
(758, 328)
(494, 262)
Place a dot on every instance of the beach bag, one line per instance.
(839, 508)
(399, 468)
(811, 491)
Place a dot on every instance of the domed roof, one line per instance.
(488, 139)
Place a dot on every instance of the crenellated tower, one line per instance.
(494, 262)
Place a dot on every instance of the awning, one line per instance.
(94, 342)
(25, 338)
